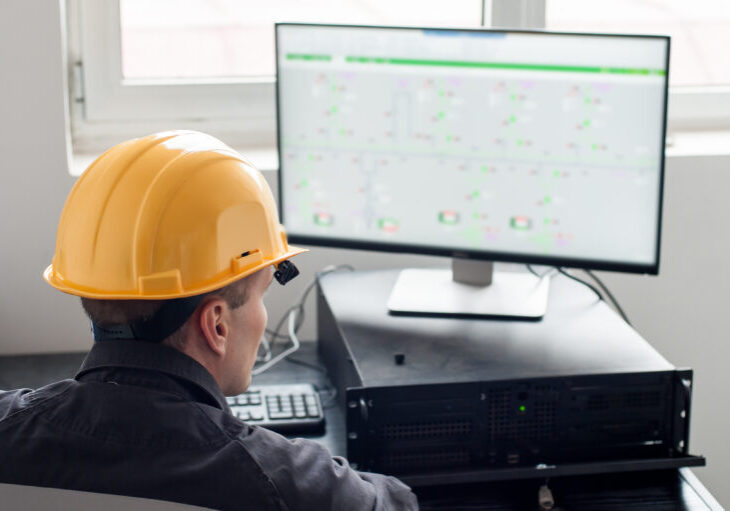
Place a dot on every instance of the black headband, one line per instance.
(172, 315)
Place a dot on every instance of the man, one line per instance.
(171, 242)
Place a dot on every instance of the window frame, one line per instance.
(107, 109)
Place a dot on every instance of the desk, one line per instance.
(660, 490)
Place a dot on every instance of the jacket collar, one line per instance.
(150, 358)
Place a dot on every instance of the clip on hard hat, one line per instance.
(285, 271)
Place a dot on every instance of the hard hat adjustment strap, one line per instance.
(166, 321)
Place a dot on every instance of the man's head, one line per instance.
(222, 334)
(174, 229)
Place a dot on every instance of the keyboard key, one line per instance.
(280, 415)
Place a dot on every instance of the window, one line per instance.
(144, 66)
(204, 64)
(699, 74)
(235, 38)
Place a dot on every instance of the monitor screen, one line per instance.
(505, 145)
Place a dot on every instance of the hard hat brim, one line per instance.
(57, 281)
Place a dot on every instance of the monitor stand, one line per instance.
(470, 289)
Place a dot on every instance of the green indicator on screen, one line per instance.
(304, 56)
(323, 219)
(523, 408)
(448, 217)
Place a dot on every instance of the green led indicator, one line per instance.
(588, 100)
(546, 221)
(484, 168)
(311, 157)
(523, 408)
(448, 138)
(512, 119)
(441, 115)
(475, 193)
(587, 122)
(519, 142)
(595, 147)
(441, 92)
(333, 109)
(546, 200)
(556, 173)
(513, 96)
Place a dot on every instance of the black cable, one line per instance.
(300, 306)
(610, 296)
(587, 284)
(535, 273)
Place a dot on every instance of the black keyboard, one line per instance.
(290, 409)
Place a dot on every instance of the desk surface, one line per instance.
(660, 490)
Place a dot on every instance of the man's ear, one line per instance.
(214, 324)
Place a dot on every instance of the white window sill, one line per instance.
(698, 143)
(679, 145)
(265, 159)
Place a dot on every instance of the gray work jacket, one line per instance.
(145, 420)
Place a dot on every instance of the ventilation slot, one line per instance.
(434, 458)
(424, 430)
(598, 402)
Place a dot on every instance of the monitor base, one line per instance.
(422, 292)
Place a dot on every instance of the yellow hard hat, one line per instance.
(171, 215)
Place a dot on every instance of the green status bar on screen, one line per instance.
(481, 65)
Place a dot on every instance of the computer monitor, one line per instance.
(480, 145)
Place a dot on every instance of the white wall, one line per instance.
(33, 179)
(681, 312)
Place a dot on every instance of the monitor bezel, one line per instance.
(508, 257)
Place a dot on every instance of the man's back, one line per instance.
(145, 420)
